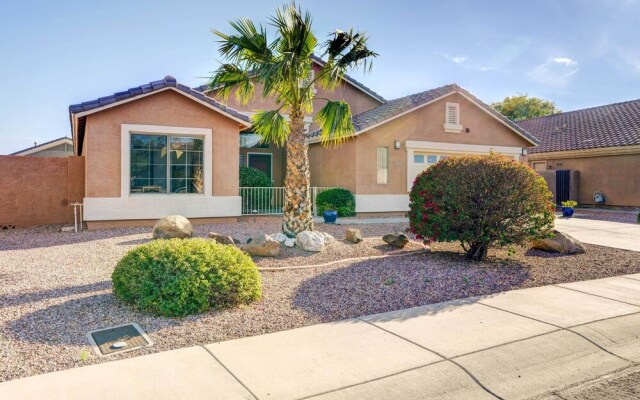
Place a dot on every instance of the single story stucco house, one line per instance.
(165, 148)
(600, 146)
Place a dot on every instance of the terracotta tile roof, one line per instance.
(611, 125)
(359, 85)
(396, 107)
(168, 81)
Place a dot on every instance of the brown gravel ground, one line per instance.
(55, 287)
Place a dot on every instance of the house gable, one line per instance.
(359, 97)
(402, 106)
(164, 109)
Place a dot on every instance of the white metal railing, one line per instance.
(269, 200)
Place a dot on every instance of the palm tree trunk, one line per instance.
(297, 204)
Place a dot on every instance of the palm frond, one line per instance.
(229, 77)
(345, 50)
(335, 122)
(272, 126)
(248, 44)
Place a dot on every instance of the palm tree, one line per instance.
(281, 67)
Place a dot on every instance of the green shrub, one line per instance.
(337, 199)
(569, 203)
(255, 199)
(251, 177)
(480, 201)
(179, 277)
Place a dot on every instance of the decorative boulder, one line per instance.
(396, 239)
(222, 239)
(560, 243)
(289, 242)
(173, 226)
(353, 235)
(310, 241)
(280, 237)
(263, 246)
(328, 239)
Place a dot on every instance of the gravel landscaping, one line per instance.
(55, 287)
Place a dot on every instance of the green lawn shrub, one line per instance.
(337, 199)
(179, 277)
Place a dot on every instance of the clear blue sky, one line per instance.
(56, 53)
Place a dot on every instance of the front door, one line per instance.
(261, 162)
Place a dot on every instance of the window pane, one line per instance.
(179, 186)
(383, 164)
(157, 185)
(418, 158)
(432, 159)
(194, 157)
(178, 171)
(148, 163)
(159, 156)
(186, 161)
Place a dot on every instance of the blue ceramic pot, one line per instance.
(330, 216)
(567, 212)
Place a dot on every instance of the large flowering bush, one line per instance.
(480, 201)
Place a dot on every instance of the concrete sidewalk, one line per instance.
(603, 233)
(511, 345)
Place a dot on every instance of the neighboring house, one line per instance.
(61, 147)
(602, 144)
(164, 148)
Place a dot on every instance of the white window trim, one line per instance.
(125, 156)
(448, 126)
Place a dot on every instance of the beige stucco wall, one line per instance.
(167, 108)
(616, 176)
(334, 166)
(424, 124)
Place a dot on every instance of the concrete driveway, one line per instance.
(603, 233)
(512, 345)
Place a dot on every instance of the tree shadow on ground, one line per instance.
(382, 285)
(69, 322)
(49, 236)
(34, 297)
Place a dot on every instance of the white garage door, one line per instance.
(422, 155)
(422, 161)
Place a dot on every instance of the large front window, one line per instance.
(166, 164)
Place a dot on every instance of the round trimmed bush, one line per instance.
(480, 201)
(178, 277)
(337, 199)
(251, 177)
